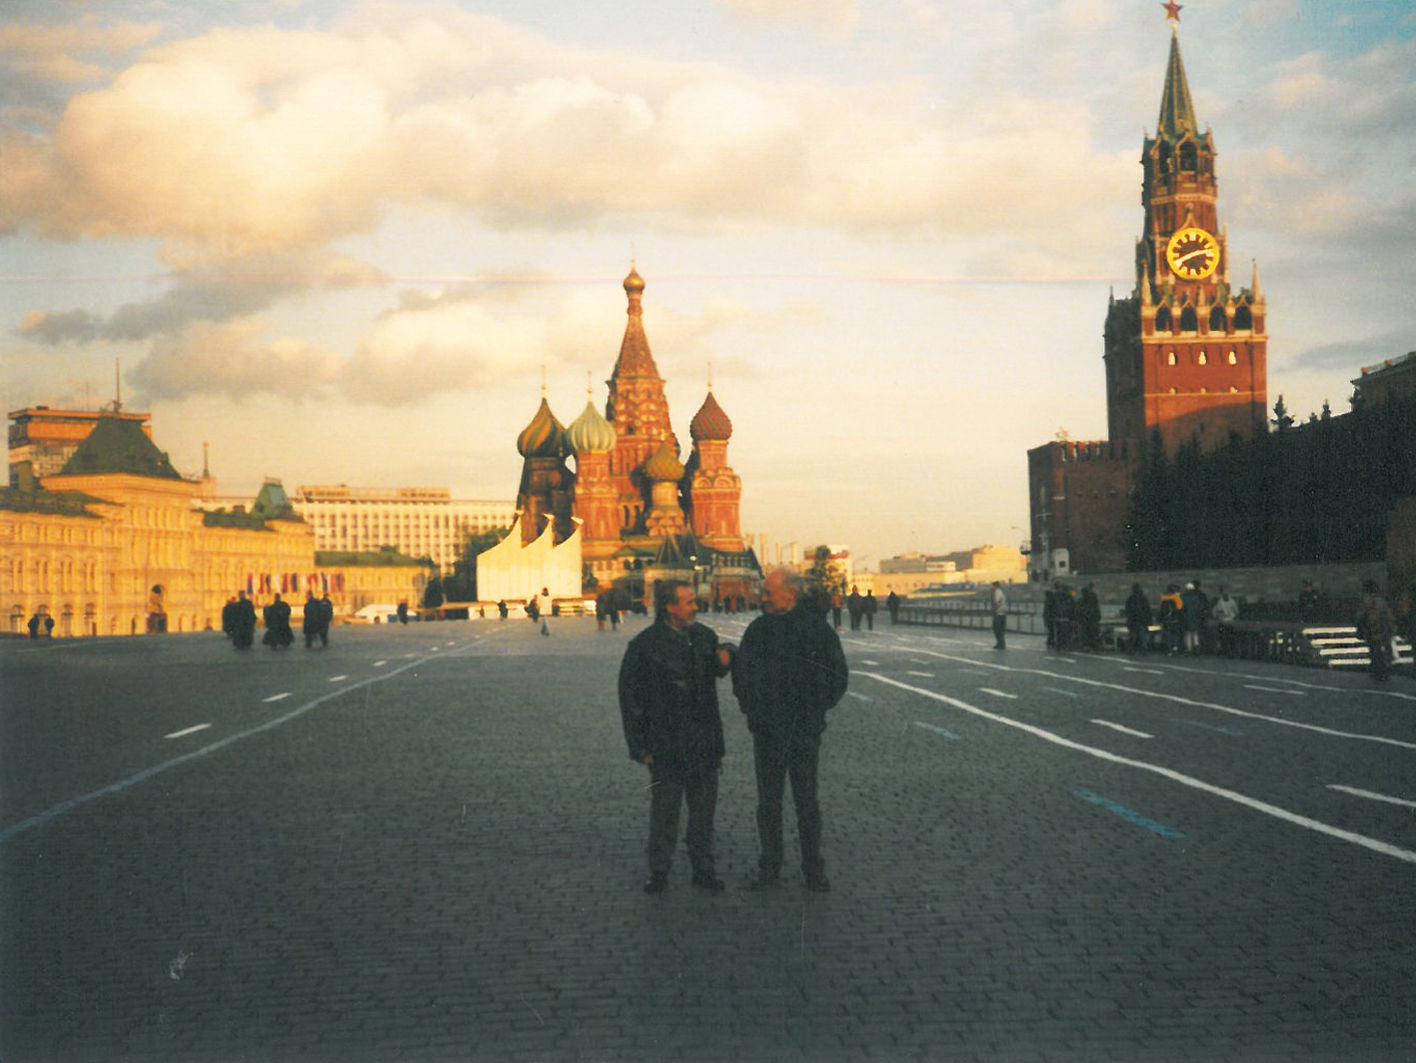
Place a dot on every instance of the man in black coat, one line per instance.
(243, 620)
(788, 672)
(668, 696)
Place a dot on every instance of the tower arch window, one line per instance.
(1203, 358)
(1165, 157)
(1172, 391)
(1243, 319)
(1162, 319)
(1217, 322)
(1170, 358)
(1233, 390)
(1188, 322)
(1232, 358)
(1189, 157)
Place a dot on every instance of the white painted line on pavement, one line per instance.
(1064, 693)
(275, 697)
(380, 664)
(876, 663)
(55, 811)
(1382, 739)
(998, 693)
(337, 678)
(922, 675)
(858, 697)
(188, 731)
(1064, 660)
(1372, 796)
(1385, 848)
(1275, 690)
(1144, 671)
(938, 730)
(1123, 730)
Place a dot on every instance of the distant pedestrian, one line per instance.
(278, 635)
(1049, 615)
(1138, 621)
(855, 606)
(33, 626)
(228, 618)
(243, 622)
(48, 627)
(1406, 623)
(1226, 613)
(892, 605)
(1310, 602)
(1089, 618)
(869, 606)
(668, 697)
(1376, 626)
(788, 672)
(837, 603)
(1172, 618)
(1064, 618)
(502, 610)
(311, 621)
(402, 612)
(1000, 616)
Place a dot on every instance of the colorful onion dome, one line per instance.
(664, 466)
(590, 433)
(544, 437)
(710, 422)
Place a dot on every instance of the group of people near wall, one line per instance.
(1071, 620)
(1378, 624)
(238, 622)
(787, 673)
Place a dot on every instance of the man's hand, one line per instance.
(725, 656)
(648, 760)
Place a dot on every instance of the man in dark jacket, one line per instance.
(789, 671)
(669, 702)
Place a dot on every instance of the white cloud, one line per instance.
(237, 359)
(834, 18)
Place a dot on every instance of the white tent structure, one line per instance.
(512, 572)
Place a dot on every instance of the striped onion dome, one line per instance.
(543, 437)
(590, 433)
(663, 466)
(710, 422)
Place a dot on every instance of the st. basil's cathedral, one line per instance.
(639, 514)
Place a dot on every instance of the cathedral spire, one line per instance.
(635, 358)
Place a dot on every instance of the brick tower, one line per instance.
(1186, 353)
(715, 489)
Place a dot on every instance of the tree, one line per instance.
(825, 572)
(461, 586)
(1281, 421)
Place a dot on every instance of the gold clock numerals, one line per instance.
(1192, 253)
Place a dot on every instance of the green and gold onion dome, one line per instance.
(543, 437)
(663, 466)
(710, 423)
(590, 433)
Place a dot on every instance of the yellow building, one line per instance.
(114, 544)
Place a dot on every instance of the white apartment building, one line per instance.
(417, 521)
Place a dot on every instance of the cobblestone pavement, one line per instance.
(426, 843)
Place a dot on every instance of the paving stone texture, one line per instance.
(431, 848)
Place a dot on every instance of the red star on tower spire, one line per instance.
(1172, 13)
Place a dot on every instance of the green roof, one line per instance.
(222, 518)
(387, 556)
(272, 503)
(1177, 112)
(66, 503)
(117, 445)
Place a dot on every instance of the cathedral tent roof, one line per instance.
(635, 358)
(117, 445)
(1177, 112)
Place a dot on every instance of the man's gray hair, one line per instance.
(792, 580)
(666, 594)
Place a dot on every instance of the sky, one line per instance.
(347, 242)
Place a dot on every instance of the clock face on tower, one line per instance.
(1192, 253)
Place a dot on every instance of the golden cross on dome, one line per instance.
(1172, 13)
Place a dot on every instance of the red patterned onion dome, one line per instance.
(710, 422)
(590, 433)
(543, 437)
(664, 466)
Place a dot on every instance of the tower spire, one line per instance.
(1177, 111)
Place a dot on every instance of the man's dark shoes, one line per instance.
(818, 883)
(708, 881)
(762, 881)
(658, 882)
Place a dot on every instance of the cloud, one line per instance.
(248, 141)
(236, 359)
(1347, 356)
(210, 293)
(833, 18)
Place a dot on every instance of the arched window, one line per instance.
(1189, 158)
(1232, 358)
(1164, 157)
(1188, 322)
(1172, 391)
(1170, 358)
(1217, 321)
(1162, 319)
(1233, 390)
(1243, 319)
(1203, 359)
